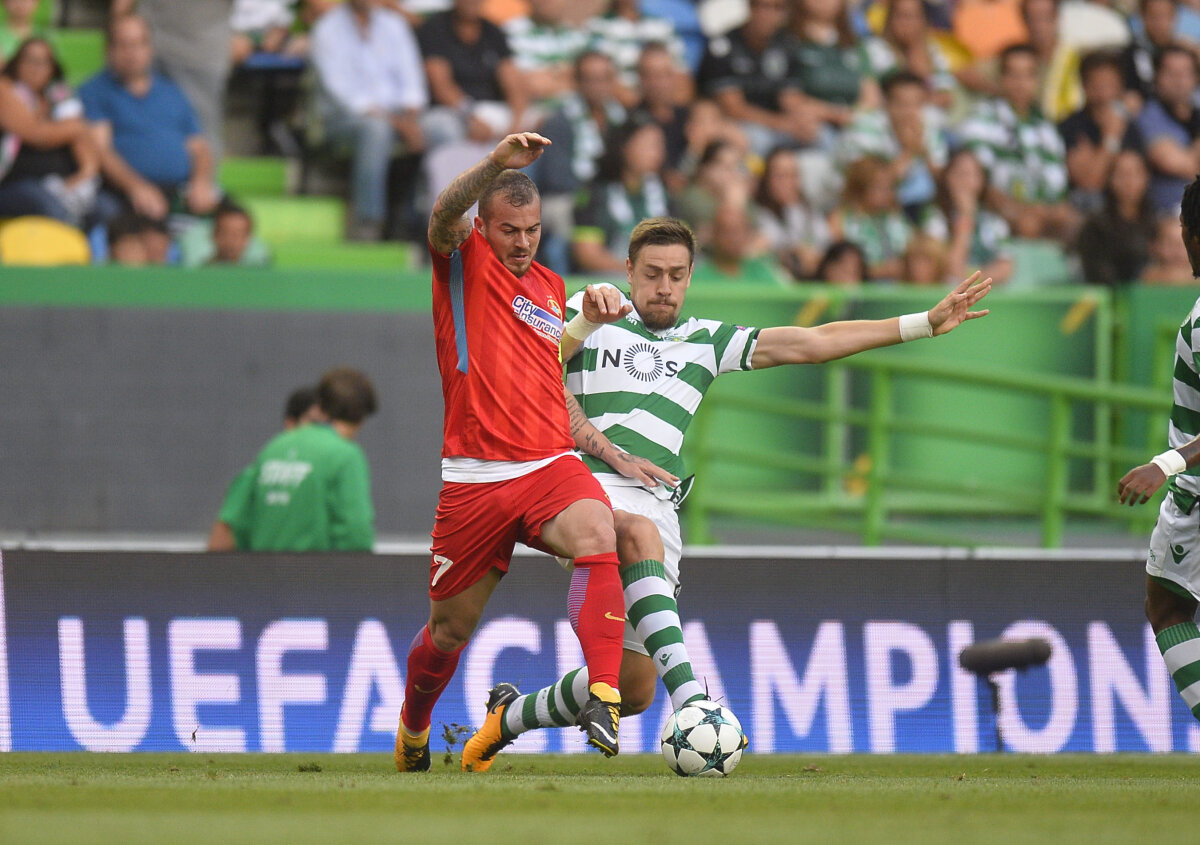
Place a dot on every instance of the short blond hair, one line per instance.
(662, 231)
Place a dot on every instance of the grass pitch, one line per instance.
(295, 798)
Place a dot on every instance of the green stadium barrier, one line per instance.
(1061, 331)
(1017, 413)
(742, 434)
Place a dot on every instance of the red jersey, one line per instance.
(497, 342)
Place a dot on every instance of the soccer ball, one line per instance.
(703, 739)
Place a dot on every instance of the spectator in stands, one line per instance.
(1114, 243)
(657, 87)
(627, 189)
(731, 255)
(624, 34)
(152, 150)
(870, 216)
(924, 261)
(1098, 132)
(902, 134)
(1058, 91)
(191, 42)
(473, 80)
(231, 233)
(1022, 153)
(545, 47)
(1169, 264)
(975, 236)
(1140, 57)
(908, 44)
(751, 74)
(706, 124)
(578, 129)
(1170, 127)
(797, 234)
(159, 245)
(302, 407)
(721, 178)
(50, 166)
(371, 96)
(18, 25)
(985, 28)
(309, 489)
(844, 263)
(265, 26)
(126, 241)
(227, 240)
(133, 240)
(828, 61)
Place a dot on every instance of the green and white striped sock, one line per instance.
(555, 706)
(653, 613)
(1180, 647)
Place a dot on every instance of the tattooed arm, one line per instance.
(592, 442)
(448, 225)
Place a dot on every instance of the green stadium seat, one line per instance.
(310, 220)
(260, 176)
(1038, 263)
(44, 17)
(345, 256)
(81, 52)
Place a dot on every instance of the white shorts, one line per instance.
(1175, 547)
(641, 502)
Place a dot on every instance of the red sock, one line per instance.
(429, 670)
(596, 607)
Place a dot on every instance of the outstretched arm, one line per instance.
(448, 225)
(592, 442)
(1140, 483)
(797, 345)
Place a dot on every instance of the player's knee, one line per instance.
(449, 634)
(637, 696)
(637, 538)
(595, 537)
(1164, 608)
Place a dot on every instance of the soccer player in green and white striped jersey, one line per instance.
(1173, 562)
(632, 389)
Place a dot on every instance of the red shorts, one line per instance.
(477, 525)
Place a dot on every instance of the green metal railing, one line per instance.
(1078, 456)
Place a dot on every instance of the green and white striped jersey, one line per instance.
(642, 388)
(1185, 414)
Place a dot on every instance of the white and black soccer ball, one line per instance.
(703, 739)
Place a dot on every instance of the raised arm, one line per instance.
(797, 345)
(592, 442)
(448, 224)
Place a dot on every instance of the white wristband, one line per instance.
(580, 327)
(1170, 462)
(915, 326)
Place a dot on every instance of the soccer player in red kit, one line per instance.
(508, 470)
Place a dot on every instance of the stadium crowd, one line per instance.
(892, 140)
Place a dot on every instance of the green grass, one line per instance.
(325, 798)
